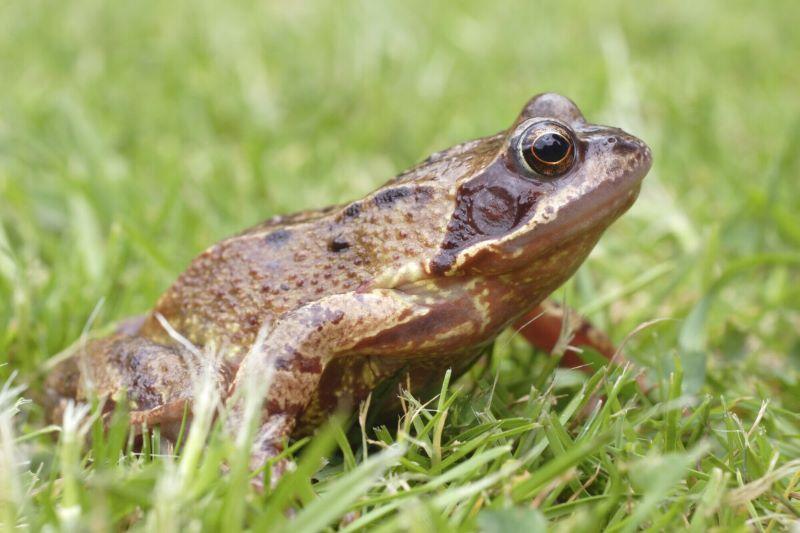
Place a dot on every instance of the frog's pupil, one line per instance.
(550, 147)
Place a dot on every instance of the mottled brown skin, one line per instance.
(415, 278)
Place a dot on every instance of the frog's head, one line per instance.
(541, 201)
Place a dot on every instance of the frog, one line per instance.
(311, 312)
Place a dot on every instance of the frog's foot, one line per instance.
(267, 446)
(168, 417)
(157, 379)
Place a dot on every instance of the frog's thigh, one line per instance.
(294, 354)
(148, 373)
(543, 326)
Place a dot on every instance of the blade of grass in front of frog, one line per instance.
(198, 465)
(710, 501)
(298, 481)
(13, 283)
(336, 498)
(252, 392)
(447, 500)
(527, 488)
(203, 411)
(383, 395)
(346, 449)
(512, 519)
(11, 502)
(74, 428)
(469, 469)
(672, 418)
(656, 476)
(440, 418)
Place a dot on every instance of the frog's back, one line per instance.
(231, 289)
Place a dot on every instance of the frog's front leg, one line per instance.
(284, 369)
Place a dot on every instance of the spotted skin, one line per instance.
(315, 310)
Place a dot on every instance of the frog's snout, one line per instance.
(636, 153)
(625, 155)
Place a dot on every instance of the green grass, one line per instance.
(133, 135)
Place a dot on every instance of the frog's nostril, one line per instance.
(623, 146)
(647, 156)
(630, 150)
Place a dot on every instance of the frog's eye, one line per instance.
(547, 149)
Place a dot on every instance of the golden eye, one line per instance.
(547, 150)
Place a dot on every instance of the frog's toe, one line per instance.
(168, 417)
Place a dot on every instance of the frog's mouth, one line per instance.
(569, 238)
(581, 218)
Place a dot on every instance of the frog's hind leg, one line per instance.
(549, 322)
(155, 379)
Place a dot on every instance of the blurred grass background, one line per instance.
(133, 135)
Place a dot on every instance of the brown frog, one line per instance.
(417, 277)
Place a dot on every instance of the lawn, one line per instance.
(135, 134)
